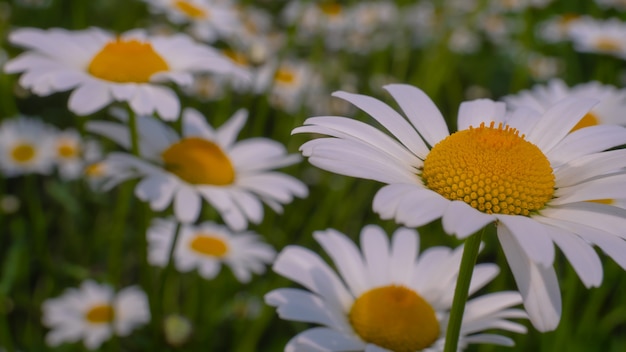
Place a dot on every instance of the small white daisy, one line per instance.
(599, 36)
(93, 313)
(209, 20)
(26, 146)
(102, 68)
(72, 153)
(523, 171)
(610, 109)
(386, 297)
(206, 247)
(289, 83)
(234, 177)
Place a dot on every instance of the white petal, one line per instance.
(531, 236)
(412, 211)
(610, 187)
(421, 111)
(558, 121)
(165, 102)
(586, 141)
(300, 305)
(187, 204)
(89, 98)
(404, 248)
(375, 247)
(463, 220)
(390, 119)
(227, 133)
(579, 253)
(589, 166)
(323, 340)
(473, 113)
(538, 285)
(347, 259)
(308, 269)
(195, 124)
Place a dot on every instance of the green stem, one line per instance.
(160, 302)
(134, 135)
(468, 261)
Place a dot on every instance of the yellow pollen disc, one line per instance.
(199, 162)
(67, 150)
(126, 61)
(94, 170)
(608, 44)
(395, 318)
(238, 58)
(330, 8)
(588, 120)
(190, 9)
(100, 314)
(285, 76)
(492, 169)
(209, 245)
(23, 153)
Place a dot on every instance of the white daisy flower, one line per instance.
(386, 297)
(26, 147)
(289, 84)
(610, 109)
(103, 68)
(599, 36)
(556, 28)
(93, 313)
(206, 247)
(523, 171)
(234, 177)
(209, 20)
(72, 153)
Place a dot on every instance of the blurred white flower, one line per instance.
(93, 313)
(206, 247)
(26, 146)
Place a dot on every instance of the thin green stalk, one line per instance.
(468, 261)
(164, 275)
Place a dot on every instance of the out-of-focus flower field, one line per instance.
(150, 179)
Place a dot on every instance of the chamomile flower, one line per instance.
(206, 247)
(93, 313)
(203, 163)
(599, 36)
(610, 109)
(523, 171)
(208, 20)
(387, 297)
(26, 147)
(102, 68)
(72, 153)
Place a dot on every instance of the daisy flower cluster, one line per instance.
(29, 145)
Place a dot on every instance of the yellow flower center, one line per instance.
(495, 170)
(126, 61)
(209, 245)
(199, 162)
(608, 44)
(285, 76)
(395, 318)
(67, 150)
(95, 170)
(99, 314)
(330, 8)
(190, 9)
(588, 120)
(23, 153)
(237, 57)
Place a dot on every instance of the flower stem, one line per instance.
(160, 302)
(470, 253)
